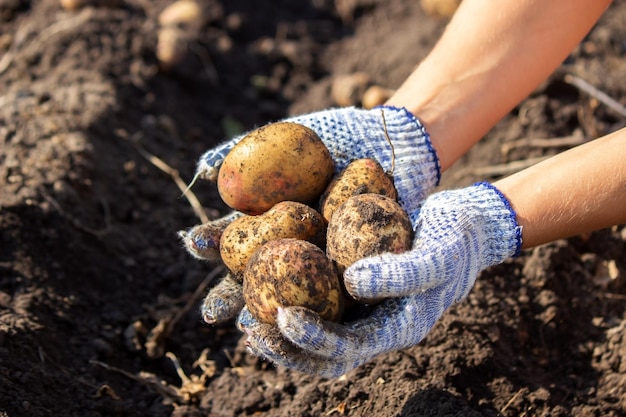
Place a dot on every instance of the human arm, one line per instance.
(489, 58)
(578, 191)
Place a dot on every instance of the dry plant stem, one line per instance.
(155, 341)
(196, 295)
(499, 170)
(149, 380)
(182, 186)
(179, 369)
(594, 92)
(567, 141)
(393, 153)
(517, 394)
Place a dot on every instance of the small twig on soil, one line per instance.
(147, 379)
(164, 328)
(612, 296)
(182, 186)
(393, 152)
(498, 170)
(566, 141)
(230, 358)
(595, 93)
(190, 389)
(517, 394)
(341, 409)
(218, 270)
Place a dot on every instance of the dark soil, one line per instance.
(95, 288)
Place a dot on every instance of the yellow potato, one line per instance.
(281, 161)
(367, 225)
(347, 89)
(182, 13)
(361, 176)
(291, 272)
(440, 8)
(375, 96)
(287, 219)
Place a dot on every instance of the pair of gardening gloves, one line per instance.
(457, 234)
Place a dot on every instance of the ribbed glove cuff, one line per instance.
(391, 135)
(499, 230)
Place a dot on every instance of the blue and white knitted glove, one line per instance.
(348, 133)
(457, 234)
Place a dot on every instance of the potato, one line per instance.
(375, 96)
(291, 272)
(347, 89)
(172, 48)
(440, 8)
(287, 219)
(281, 161)
(182, 13)
(361, 176)
(367, 225)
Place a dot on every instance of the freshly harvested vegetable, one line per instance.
(287, 219)
(347, 89)
(282, 161)
(361, 176)
(291, 272)
(172, 47)
(367, 225)
(182, 13)
(375, 95)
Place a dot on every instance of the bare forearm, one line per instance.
(491, 56)
(577, 191)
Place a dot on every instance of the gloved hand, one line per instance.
(457, 234)
(348, 133)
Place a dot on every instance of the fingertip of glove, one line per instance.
(245, 320)
(208, 171)
(358, 278)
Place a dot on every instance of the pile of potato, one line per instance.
(303, 225)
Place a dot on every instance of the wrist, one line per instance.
(503, 234)
(447, 108)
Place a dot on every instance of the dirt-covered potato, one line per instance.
(281, 161)
(291, 272)
(361, 176)
(287, 219)
(367, 225)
